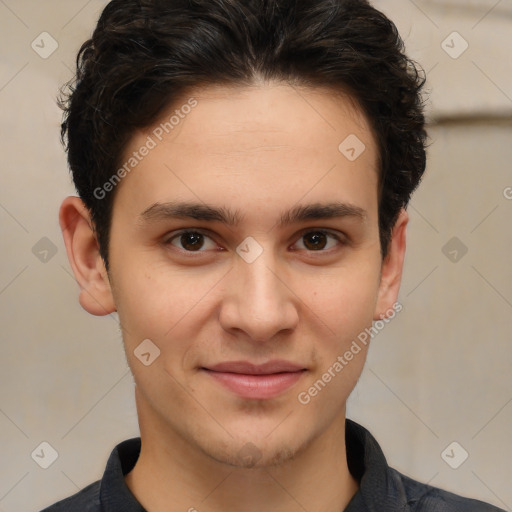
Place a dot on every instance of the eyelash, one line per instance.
(339, 239)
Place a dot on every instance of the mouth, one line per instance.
(257, 382)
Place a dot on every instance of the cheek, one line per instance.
(345, 300)
(345, 305)
(141, 307)
(168, 306)
(148, 304)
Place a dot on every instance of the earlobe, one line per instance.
(84, 257)
(392, 267)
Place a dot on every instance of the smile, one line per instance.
(257, 382)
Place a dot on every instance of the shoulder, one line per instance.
(390, 490)
(87, 500)
(425, 498)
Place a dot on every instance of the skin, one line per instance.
(260, 151)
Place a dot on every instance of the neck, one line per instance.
(170, 470)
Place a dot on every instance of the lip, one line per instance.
(253, 381)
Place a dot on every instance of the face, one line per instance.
(245, 246)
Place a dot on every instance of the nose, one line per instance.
(259, 299)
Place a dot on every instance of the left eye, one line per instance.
(318, 240)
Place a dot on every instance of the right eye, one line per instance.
(191, 241)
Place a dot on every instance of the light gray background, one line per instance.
(440, 372)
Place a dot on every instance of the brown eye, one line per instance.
(318, 241)
(315, 241)
(191, 241)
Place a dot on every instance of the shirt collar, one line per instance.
(114, 493)
(380, 490)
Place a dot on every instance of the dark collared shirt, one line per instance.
(382, 489)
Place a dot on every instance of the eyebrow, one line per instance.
(204, 212)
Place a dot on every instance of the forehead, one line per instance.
(305, 116)
(266, 142)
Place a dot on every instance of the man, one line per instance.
(243, 171)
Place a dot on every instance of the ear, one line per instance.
(84, 257)
(391, 271)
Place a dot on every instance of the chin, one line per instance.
(255, 454)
